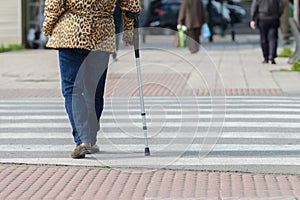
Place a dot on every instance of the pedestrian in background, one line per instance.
(84, 34)
(192, 15)
(118, 20)
(265, 15)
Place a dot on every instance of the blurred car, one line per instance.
(161, 14)
(237, 13)
(164, 14)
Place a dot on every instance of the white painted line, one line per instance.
(35, 125)
(162, 135)
(33, 117)
(208, 135)
(33, 106)
(159, 148)
(158, 110)
(155, 161)
(41, 135)
(159, 116)
(158, 103)
(162, 124)
(168, 99)
(207, 124)
(209, 116)
(9, 111)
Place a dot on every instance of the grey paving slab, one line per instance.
(288, 81)
(29, 69)
(221, 64)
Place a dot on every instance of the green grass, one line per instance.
(286, 52)
(2, 49)
(281, 70)
(296, 65)
(11, 47)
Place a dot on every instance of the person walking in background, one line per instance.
(192, 15)
(265, 15)
(84, 34)
(118, 27)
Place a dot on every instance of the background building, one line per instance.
(11, 27)
(21, 22)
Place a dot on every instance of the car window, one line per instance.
(171, 9)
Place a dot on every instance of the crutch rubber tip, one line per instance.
(147, 151)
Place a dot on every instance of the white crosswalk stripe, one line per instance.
(181, 130)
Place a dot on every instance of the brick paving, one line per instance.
(153, 85)
(46, 182)
(148, 91)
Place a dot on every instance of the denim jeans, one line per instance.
(83, 75)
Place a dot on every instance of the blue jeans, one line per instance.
(83, 75)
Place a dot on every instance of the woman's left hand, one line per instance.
(126, 44)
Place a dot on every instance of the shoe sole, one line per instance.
(81, 153)
(93, 151)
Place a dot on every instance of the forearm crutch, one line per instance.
(135, 16)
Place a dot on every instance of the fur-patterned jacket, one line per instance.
(86, 24)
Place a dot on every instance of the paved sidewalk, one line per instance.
(46, 182)
(220, 68)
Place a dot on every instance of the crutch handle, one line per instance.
(135, 17)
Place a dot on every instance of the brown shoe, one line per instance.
(81, 150)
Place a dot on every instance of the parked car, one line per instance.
(164, 14)
(237, 13)
(161, 14)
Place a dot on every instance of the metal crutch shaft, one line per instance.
(135, 16)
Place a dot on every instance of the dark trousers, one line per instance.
(268, 29)
(83, 75)
(193, 39)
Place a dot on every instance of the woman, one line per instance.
(83, 31)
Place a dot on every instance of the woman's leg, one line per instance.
(70, 61)
(94, 82)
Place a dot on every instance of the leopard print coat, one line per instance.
(86, 24)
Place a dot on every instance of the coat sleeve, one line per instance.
(132, 6)
(182, 11)
(254, 10)
(52, 11)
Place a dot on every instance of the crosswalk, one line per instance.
(211, 133)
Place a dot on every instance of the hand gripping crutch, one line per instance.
(135, 16)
